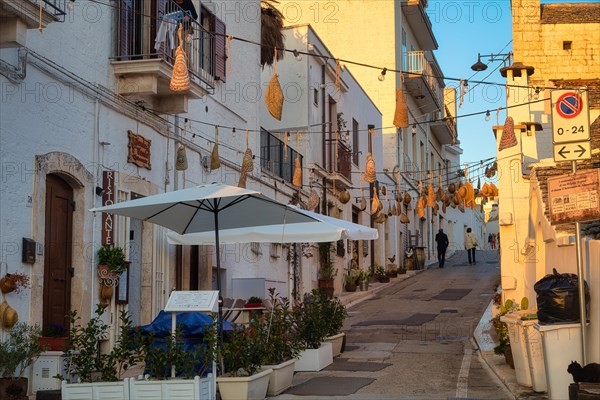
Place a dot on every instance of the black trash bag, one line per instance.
(558, 298)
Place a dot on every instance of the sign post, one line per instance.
(571, 138)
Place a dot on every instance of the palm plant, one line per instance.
(271, 32)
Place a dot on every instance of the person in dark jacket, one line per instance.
(442, 245)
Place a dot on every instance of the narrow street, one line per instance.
(414, 340)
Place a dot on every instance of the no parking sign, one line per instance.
(570, 116)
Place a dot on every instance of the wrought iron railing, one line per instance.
(56, 8)
(418, 64)
(344, 161)
(142, 38)
(277, 158)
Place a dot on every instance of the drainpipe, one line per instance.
(324, 132)
(95, 163)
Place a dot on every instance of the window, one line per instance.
(370, 133)
(567, 45)
(316, 96)
(272, 157)
(404, 55)
(138, 39)
(355, 142)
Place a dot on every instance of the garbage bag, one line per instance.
(558, 298)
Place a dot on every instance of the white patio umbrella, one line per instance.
(323, 229)
(209, 208)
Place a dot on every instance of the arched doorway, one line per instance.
(58, 270)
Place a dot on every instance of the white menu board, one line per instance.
(193, 300)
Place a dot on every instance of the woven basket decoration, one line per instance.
(430, 196)
(370, 174)
(8, 315)
(7, 285)
(401, 114)
(470, 192)
(180, 80)
(313, 200)
(380, 219)
(485, 190)
(508, 138)
(404, 218)
(181, 163)
(478, 183)
(363, 204)
(456, 200)
(493, 190)
(439, 194)
(274, 97)
(451, 188)
(297, 179)
(215, 161)
(247, 166)
(421, 203)
(462, 192)
(344, 197)
(407, 199)
(487, 172)
(383, 190)
(446, 199)
(376, 205)
(444, 208)
(436, 208)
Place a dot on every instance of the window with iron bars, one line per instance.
(272, 157)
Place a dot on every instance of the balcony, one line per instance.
(16, 16)
(445, 129)
(344, 162)
(276, 158)
(417, 18)
(144, 64)
(423, 82)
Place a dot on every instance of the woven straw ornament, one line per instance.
(430, 196)
(470, 196)
(421, 203)
(344, 197)
(215, 161)
(370, 174)
(8, 315)
(404, 218)
(180, 79)
(313, 200)
(508, 139)
(181, 163)
(247, 166)
(297, 179)
(446, 199)
(376, 205)
(485, 190)
(407, 198)
(401, 114)
(363, 204)
(493, 190)
(451, 188)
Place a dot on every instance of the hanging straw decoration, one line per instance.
(421, 204)
(485, 190)
(478, 183)
(376, 205)
(407, 199)
(313, 200)
(247, 164)
(338, 71)
(297, 180)
(40, 27)
(344, 197)
(451, 188)
(229, 39)
(508, 138)
(286, 137)
(470, 195)
(274, 94)
(420, 187)
(180, 79)
(401, 113)
(404, 218)
(181, 163)
(430, 195)
(215, 161)
(370, 174)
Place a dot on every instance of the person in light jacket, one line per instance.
(470, 245)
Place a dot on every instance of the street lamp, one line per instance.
(480, 66)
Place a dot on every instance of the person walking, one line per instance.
(470, 246)
(442, 245)
(493, 241)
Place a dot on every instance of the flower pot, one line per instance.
(13, 388)
(364, 286)
(315, 359)
(392, 274)
(383, 279)
(508, 357)
(350, 287)
(7, 285)
(336, 343)
(53, 343)
(281, 378)
(326, 285)
(106, 293)
(253, 305)
(409, 264)
(252, 387)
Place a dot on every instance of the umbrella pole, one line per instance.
(220, 322)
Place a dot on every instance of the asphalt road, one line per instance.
(412, 340)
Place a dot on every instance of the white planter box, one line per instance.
(315, 359)
(281, 378)
(95, 390)
(184, 389)
(252, 387)
(336, 343)
(173, 389)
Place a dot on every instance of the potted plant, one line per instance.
(335, 313)
(392, 270)
(15, 282)
(381, 274)
(17, 353)
(282, 344)
(111, 264)
(312, 328)
(254, 302)
(244, 352)
(54, 337)
(351, 282)
(363, 280)
(503, 347)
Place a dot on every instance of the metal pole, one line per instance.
(581, 282)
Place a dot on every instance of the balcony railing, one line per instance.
(56, 8)
(141, 38)
(344, 161)
(418, 66)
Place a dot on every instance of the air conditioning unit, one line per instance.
(50, 364)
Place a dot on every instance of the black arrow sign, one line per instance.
(581, 151)
(562, 152)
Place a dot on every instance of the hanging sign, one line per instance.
(574, 197)
(108, 199)
(139, 150)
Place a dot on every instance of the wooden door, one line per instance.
(57, 252)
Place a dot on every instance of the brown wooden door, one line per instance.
(57, 252)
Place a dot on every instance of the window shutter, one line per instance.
(125, 15)
(220, 50)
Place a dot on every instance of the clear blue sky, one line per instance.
(464, 28)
